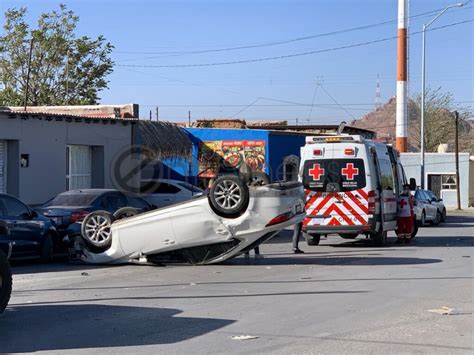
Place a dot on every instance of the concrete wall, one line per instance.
(440, 163)
(45, 141)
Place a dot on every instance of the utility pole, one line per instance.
(456, 150)
(67, 77)
(189, 118)
(401, 127)
(150, 116)
(297, 121)
(157, 114)
(28, 73)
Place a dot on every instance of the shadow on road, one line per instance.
(328, 260)
(66, 327)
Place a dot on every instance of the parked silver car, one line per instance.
(428, 208)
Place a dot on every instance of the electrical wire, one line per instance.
(286, 56)
(280, 42)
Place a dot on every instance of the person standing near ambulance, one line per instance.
(405, 218)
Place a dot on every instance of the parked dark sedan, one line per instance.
(5, 276)
(70, 207)
(30, 234)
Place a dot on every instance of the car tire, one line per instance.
(379, 238)
(229, 196)
(423, 219)
(125, 212)
(312, 239)
(443, 215)
(95, 229)
(415, 228)
(437, 219)
(348, 235)
(46, 252)
(5, 282)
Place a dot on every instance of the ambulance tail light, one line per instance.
(371, 200)
(348, 151)
(318, 152)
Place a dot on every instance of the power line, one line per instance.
(280, 42)
(360, 44)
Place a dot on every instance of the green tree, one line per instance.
(439, 122)
(64, 69)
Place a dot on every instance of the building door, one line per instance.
(78, 167)
(3, 166)
(434, 184)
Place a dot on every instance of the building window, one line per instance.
(448, 182)
(78, 167)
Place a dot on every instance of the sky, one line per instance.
(340, 83)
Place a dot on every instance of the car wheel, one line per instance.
(423, 219)
(348, 235)
(46, 254)
(415, 228)
(5, 282)
(437, 219)
(443, 216)
(229, 196)
(312, 239)
(125, 212)
(95, 229)
(379, 238)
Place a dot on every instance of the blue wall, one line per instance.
(278, 145)
(281, 145)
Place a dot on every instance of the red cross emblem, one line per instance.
(350, 171)
(316, 172)
(403, 202)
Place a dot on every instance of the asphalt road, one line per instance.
(340, 297)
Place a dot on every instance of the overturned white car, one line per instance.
(231, 219)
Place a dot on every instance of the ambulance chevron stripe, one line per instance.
(350, 210)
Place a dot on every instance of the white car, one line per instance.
(230, 220)
(166, 192)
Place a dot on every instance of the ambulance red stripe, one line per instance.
(359, 204)
(312, 199)
(363, 194)
(340, 213)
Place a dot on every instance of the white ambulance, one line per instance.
(351, 187)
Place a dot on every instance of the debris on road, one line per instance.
(84, 274)
(444, 311)
(243, 337)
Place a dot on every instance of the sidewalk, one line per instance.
(469, 210)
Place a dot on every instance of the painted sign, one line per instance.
(217, 156)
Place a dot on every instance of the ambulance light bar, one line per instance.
(333, 139)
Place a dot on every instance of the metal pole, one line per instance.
(456, 149)
(28, 73)
(422, 123)
(189, 118)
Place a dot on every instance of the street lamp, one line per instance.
(425, 26)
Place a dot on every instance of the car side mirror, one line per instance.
(433, 199)
(440, 200)
(412, 184)
(33, 214)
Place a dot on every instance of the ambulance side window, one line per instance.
(386, 175)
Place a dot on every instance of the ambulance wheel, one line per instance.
(125, 212)
(5, 282)
(229, 196)
(379, 238)
(95, 229)
(312, 239)
(348, 235)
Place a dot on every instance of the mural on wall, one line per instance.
(216, 156)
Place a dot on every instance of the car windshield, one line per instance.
(328, 175)
(190, 187)
(71, 200)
